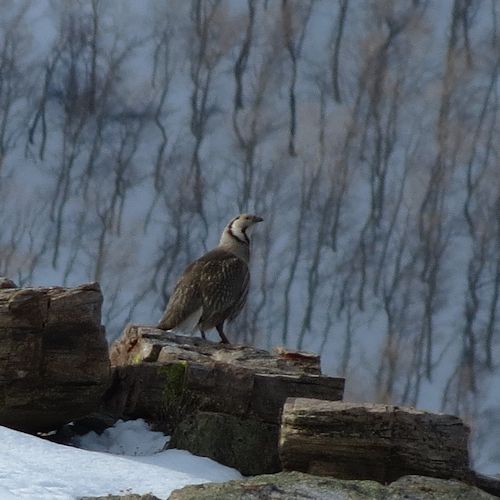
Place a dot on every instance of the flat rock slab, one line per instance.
(220, 401)
(232, 379)
(297, 485)
(372, 441)
(54, 363)
(140, 343)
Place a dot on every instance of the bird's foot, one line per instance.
(220, 329)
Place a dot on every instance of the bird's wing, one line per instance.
(238, 306)
(185, 299)
(225, 282)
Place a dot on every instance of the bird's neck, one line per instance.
(236, 242)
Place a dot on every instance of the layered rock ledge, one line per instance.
(54, 363)
(220, 401)
(372, 441)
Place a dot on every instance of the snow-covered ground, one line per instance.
(125, 458)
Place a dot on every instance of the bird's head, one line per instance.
(238, 230)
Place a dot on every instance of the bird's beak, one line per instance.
(257, 219)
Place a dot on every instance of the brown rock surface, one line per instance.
(221, 401)
(6, 283)
(371, 441)
(54, 363)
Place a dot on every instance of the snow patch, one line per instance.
(131, 437)
(35, 469)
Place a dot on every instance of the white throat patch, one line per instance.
(241, 235)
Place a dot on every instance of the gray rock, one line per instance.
(298, 485)
(127, 496)
(246, 444)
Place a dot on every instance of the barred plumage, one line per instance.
(213, 288)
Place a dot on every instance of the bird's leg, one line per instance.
(203, 336)
(221, 333)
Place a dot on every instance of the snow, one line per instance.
(125, 458)
(132, 437)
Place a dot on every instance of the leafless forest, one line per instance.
(365, 132)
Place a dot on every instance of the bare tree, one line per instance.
(294, 25)
(337, 37)
(363, 133)
(14, 44)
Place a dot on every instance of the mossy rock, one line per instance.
(136, 358)
(297, 485)
(127, 496)
(175, 398)
(247, 444)
(175, 377)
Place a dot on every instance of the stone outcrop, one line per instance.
(220, 401)
(372, 441)
(54, 364)
(297, 485)
(126, 496)
(247, 408)
(6, 283)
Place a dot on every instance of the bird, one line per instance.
(214, 287)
